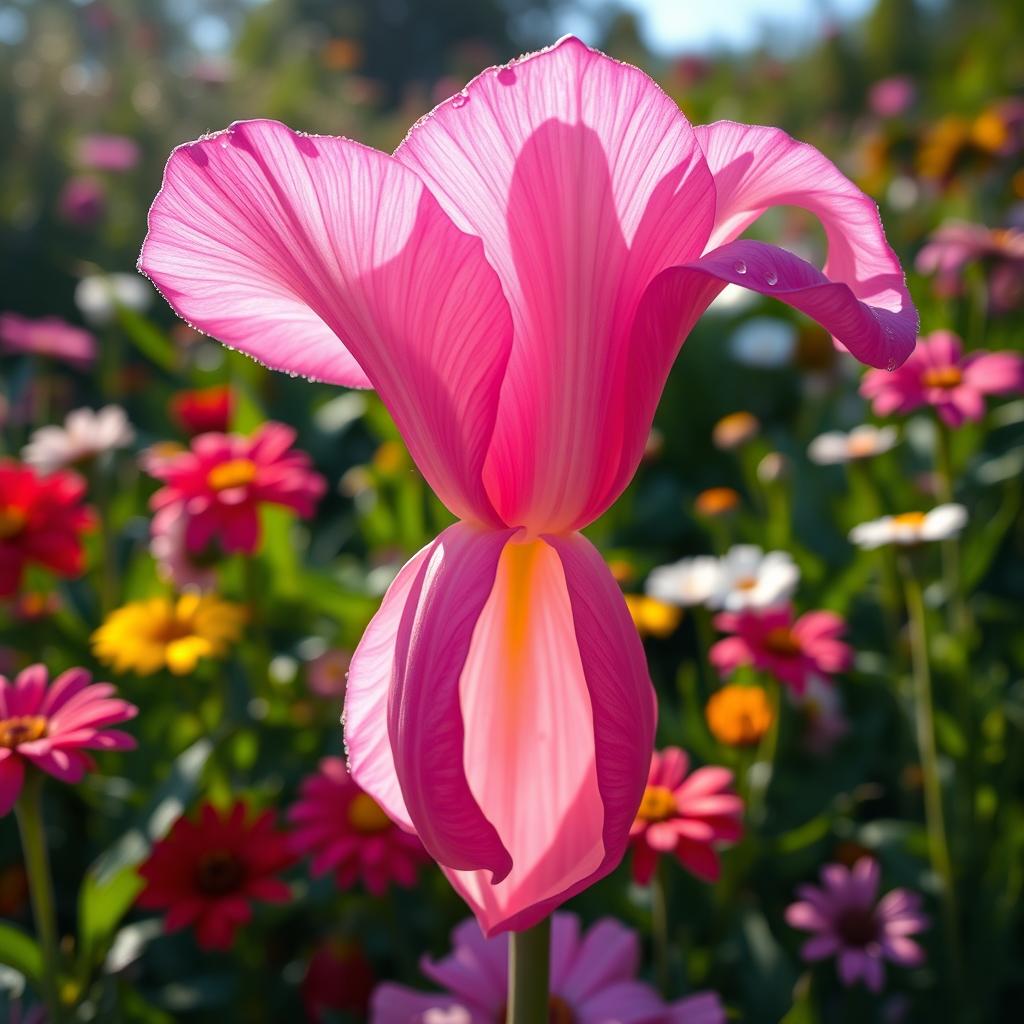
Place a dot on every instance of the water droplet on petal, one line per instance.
(460, 99)
(740, 267)
(771, 277)
(507, 76)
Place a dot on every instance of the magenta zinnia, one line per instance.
(515, 282)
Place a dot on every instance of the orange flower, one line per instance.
(739, 716)
(716, 501)
(735, 430)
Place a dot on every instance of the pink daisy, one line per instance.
(939, 374)
(345, 831)
(50, 726)
(792, 651)
(849, 922)
(687, 816)
(47, 336)
(222, 481)
(593, 981)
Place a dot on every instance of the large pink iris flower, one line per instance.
(515, 281)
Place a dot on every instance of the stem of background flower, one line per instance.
(108, 584)
(29, 812)
(659, 925)
(935, 822)
(763, 767)
(705, 631)
(960, 622)
(529, 969)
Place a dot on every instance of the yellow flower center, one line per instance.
(658, 804)
(747, 583)
(781, 641)
(912, 519)
(365, 815)
(942, 377)
(12, 520)
(24, 729)
(233, 473)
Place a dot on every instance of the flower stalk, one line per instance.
(529, 969)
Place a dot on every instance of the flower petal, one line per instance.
(12, 774)
(282, 244)
(584, 180)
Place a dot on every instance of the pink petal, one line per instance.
(25, 697)
(609, 953)
(903, 951)
(756, 168)
(281, 244)
(672, 764)
(941, 349)
(12, 774)
(622, 1002)
(700, 1008)
(995, 373)
(396, 1004)
(583, 180)
(820, 947)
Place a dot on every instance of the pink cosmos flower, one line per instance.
(688, 816)
(593, 981)
(939, 374)
(222, 481)
(791, 651)
(47, 336)
(50, 726)
(850, 923)
(345, 831)
(107, 152)
(515, 281)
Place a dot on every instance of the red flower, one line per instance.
(687, 816)
(206, 872)
(792, 652)
(204, 409)
(41, 520)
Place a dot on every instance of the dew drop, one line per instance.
(223, 143)
(891, 365)
(507, 76)
(771, 277)
(740, 267)
(460, 99)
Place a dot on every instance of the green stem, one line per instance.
(29, 812)
(760, 772)
(529, 967)
(659, 925)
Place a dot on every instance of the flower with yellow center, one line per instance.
(908, 528)
(651, 616)
(945, 377)
(147, 636)
(739, 716)
(657, 804)
(366, 816)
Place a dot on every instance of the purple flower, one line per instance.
(108, 152)
(850, 923)
(82, 202)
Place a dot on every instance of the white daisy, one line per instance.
(836, 447)
(749, 578)
(764, 342)
(910, 527)
(98, 296)
(688, 582)
(85, 435)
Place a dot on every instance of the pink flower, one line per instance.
(515, 282)
(792, 652)
(82, 201)
(222, 481)
(890, 97)
(50, 726)
(48, 336)
(850, 923)
(175, 563)
(940, 375)
(346, 832)
(687, 816)
(108, 152)
(593, 981)
(327, 674)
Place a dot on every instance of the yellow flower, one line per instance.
(651, 616)
(145, 636)
(739, 716)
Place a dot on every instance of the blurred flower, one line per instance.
(941, 522)
(749, 578)
(687, 816)
(98, 296)
(344, 831)
(342, 54)
(13, 889)
(338, 979)
(208, 871)
(204, 410)
(836, 447)
(735, 430)
(773, 468)
(327, 674)
(763, 342)
(791, 651)
(956, 244)
(48, 336)
(107, 152)
(893, 96)
(85, 435)
(50, 726)
(940, 375)
(688, 582)
(593, 981)
(34, 606)
(145, 636)
(824, 721)
(850, 923)
(175, 563)
(716, 501)
(82, 201)
(739, 716)
(222, 481)
(41, 522)
(651, 616)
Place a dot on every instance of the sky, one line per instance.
(677, 26)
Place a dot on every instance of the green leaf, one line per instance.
(149, 340)
(101, 905)
(19, 950)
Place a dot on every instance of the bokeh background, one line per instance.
(921, 102)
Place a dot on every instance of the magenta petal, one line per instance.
(995, 373)
(12, 774)
(283, 244)
(396, 1004)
